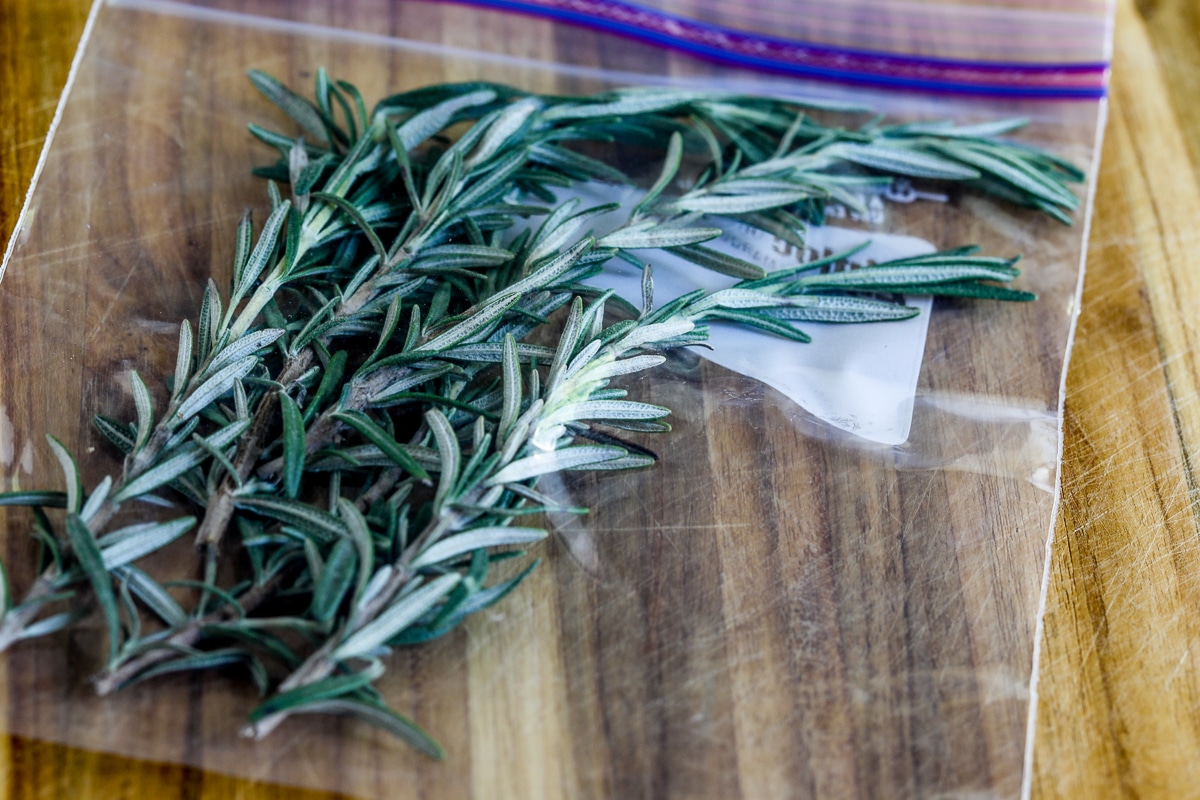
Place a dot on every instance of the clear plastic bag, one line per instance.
(779, 608)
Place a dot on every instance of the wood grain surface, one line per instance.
(647, 673)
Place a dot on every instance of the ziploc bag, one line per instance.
(786, 605)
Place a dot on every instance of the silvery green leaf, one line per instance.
(182, 434)
(657, 237)
(70, 472)
(472, 325)
(593, 318)
(96, 500)
(644, 335)
(390, 322)
(605, 409)
(569, 161)
(581, 359)
(384, 441)
(670, 169)
(955, 258)
(507, 122)
(179, 461)
(416, 378)
(212, 388)
(247, 345)
(267, 240)
(292, 104)
(720, 262)
(511, 369)
(356, 216)
(302, 516)
(297, 161)
(839, 308)
(554, 461)
(752, 185)
(405, 611)
(210, 320)
(371, 456)
(92, 563)
(443, 181)
(206, 660)
(147, 539)
(156, 598)
(901, 161)
(624, 366)
(487, 537)
(375, 585)
(630, 461)
(241, 403)
(360, 533)
(224, 437)
(552, 270)
(882, 276)
(760, 320)
(426, 123)
(118, 433)
(448, 450)
(555, 220)
(383, 717)
(278, 140)
(52, 624)
(335, 581)
(948, 130)
(739, 204)
(1023, 178)
(273, 188)
(293, 445)
(297, 699)
(555, 234)
(739, 298)
(465, 255)
(145, 409)
(647, 290)
(183, 359)
(493, 352)
(242, 247)
(627, 103)
(492, 187)
(43, 499)
(567, 341)
(316, 564)
(312, 171)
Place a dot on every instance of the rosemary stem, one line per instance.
(17, 619)
(320, 664)
(189, 635)
(220, 508)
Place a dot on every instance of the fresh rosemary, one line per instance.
(359, 423)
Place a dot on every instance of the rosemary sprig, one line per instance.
(361, 420)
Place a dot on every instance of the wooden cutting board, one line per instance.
(1118, 688)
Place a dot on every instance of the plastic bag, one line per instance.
(780, 607)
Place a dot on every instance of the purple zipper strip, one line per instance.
(725, 45)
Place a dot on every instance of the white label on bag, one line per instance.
(860, 378)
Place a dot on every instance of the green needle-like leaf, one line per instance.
(386, 444)
(405, 611)
(293, 445)
(87, 553)
(476, 539)
(70, 473)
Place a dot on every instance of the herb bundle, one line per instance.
(359, 422)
